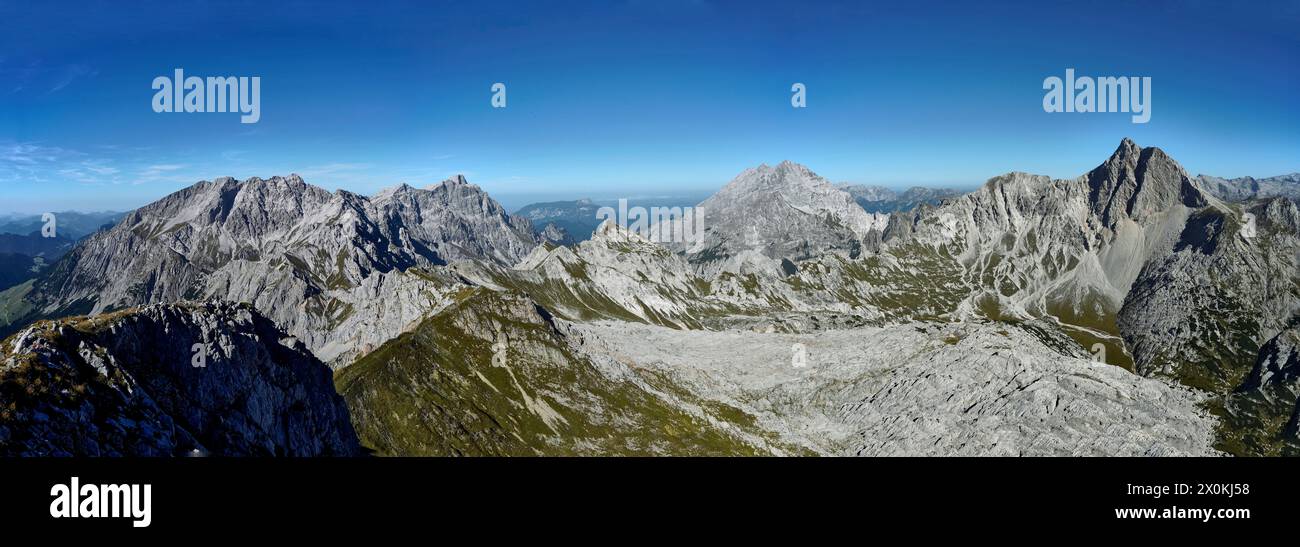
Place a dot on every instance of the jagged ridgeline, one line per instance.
(961, 323)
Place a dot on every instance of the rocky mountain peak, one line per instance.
(1136, 182)
(786, 211)
(1127, 148)
(458, 180)
(786, 175)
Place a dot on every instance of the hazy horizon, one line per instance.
(513, 201)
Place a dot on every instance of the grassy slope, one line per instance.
(436, 391)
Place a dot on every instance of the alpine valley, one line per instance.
(1133, 310)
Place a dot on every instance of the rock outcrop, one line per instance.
(167, 380)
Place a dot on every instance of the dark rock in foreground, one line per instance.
(140, 383)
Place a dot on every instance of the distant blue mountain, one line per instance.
(72, 225)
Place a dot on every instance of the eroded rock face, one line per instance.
(1263, 416)
(184, 379)
(1205, 304)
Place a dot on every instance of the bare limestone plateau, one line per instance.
(1133, 310)
(919, 389)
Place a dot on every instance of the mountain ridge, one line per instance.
(289, 248)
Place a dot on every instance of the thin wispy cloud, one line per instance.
(335, 168)
(67, 75)
(32, 162)
(27, 153)
(166, 172)
(44, 80)
(103, 171)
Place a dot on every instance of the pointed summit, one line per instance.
(786, 211)
(1136, 182)
(458, 180)
(1127, 148)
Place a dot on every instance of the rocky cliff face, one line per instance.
(186, 379)
(1263, 416)
(1202, 307)
(1131, 256)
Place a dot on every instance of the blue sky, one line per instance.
(627, 98)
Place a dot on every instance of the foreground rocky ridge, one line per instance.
(127, 384)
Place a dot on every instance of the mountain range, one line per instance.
(881, 199)
(26, 248)
(1133, 310)
(1247, 188)
(72, 225)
